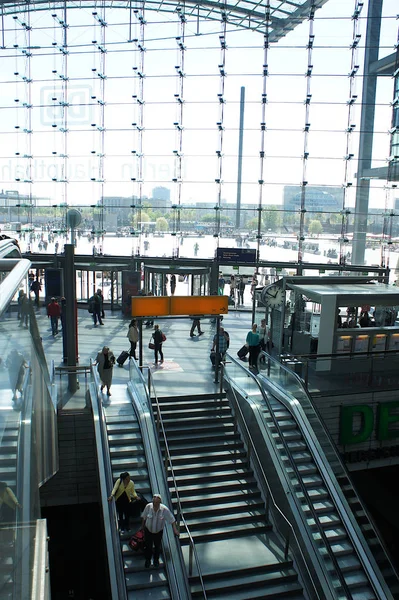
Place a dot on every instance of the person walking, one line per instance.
(253, 341)
(23, 308)
(158, 338)
(264, 336)
(100, 293)
(221, 284)
(36, 288)
(172, 284)
(224, 342)
(16, 365)
(153, 520)
(196, 324)
(105, 361)
(241, 290)
(124, 494)
(54, 313)
(95, 302)
(133, 337)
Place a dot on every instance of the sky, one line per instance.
(102, 141)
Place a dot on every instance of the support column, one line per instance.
(70, 313)
(369, 89)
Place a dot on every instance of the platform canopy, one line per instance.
(277, 16)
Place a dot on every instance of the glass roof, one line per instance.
(284, 15)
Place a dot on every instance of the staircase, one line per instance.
(320, 500)
(127, 454)
(240, 555)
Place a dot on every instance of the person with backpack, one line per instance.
(124, 494)
(158, 338)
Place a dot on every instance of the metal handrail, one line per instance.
(332, 446)
(117, 580)
(254, 452)
(169, 465)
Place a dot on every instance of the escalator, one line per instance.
(329, 515)
(124, 439)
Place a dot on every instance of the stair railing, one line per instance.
(193, 555)
(252, 452)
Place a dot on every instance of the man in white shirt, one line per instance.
(154, 517)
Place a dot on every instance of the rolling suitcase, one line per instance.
(243, 352)
(122, 358)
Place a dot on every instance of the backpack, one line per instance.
(91, 305)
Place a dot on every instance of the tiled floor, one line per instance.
(186, 368)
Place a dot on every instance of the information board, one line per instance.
(235, 255)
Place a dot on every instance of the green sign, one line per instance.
(322, 270)
(385, 416)
(235, 267)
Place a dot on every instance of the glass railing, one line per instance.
(28, 434)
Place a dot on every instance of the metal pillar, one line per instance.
(372, 44)
(240, 147)
(70, 313)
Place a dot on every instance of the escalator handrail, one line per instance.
(353, 530)
(114, 554)
(332, 448)
(266, 482)
(170, 463)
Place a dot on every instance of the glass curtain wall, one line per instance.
(133, 117)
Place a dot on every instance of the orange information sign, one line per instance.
(161, 306)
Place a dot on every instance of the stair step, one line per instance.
(196, 413)
(316, 494)
(290, 436)
(132, 462)
(333, 535)
(123, 427)
(139, 474)
(128, 450)
(204, 428)
(330, 520)
(221, 487)
(239, 474)
(283, 425)
(209, 439)
(208, 455)
(230, 583)
(239, 506)
(304, 469)
(123, 439)
(299, 457)
(211, 466)
(214, 499)
(191, 404)
(227, 532)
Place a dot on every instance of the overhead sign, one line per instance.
(161, 306)
(236, 255)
